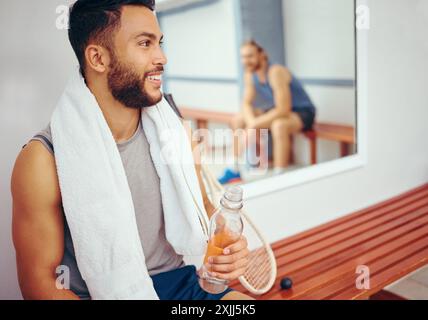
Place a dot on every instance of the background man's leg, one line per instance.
(281, 130)
(239, 135)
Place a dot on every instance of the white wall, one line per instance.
(397, 129)
(35, 62)
(201, 42)
(36, 59)
(319, 37)
(319, 44)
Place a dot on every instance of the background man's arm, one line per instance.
(37, 225)
(279, 79)
(248, 98)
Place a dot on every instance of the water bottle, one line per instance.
(225, 228)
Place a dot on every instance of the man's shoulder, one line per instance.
(279, 72)
(45, 137)
(34, 176)
(34, 161)
(278, 68)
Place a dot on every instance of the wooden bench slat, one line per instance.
(334, 260)
(343, 288)
(390, 237)
(405, 198)
(331, 273)
(399, 270)
(295, 262)
(344, 134)
(297, 250)
(333, 131)
(207, 115)
(350, 223)
(331, 267)
(324, 130)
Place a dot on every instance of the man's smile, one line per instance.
(155, 78)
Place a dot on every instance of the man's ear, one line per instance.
(97, 58)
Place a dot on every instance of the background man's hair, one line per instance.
(97, 20)
(254, 43)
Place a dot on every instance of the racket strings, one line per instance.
(259, 268)
(260, 274)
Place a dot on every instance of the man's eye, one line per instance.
(144, 43)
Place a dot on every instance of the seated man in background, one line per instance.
(273, 99)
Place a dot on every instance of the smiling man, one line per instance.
(118, 46)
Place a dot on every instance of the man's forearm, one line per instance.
(47, 290)
(265, 120)
(248, 112)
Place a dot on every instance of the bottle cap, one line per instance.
(232, 197)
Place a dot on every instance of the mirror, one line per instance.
(270, 86)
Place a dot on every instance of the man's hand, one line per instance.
(232, 264)
(251, 123)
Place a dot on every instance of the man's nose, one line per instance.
(159, 57)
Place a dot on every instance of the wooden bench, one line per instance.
(343, 134)
(391, 238)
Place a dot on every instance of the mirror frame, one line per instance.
(352, 162)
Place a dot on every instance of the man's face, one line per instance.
(136, 66)
(251, 58)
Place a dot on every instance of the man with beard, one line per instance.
(118, 46)
(274, 100)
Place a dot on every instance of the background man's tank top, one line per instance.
(265, 98)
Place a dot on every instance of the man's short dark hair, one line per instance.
(97, 20)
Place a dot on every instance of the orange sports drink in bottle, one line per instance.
(225, 228)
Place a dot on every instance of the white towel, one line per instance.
(97, 200)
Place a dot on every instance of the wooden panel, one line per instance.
(206, 115)
(395, 202)
(361, 223)
(394, 271)
(336, 264)
(377, 260)
(391, 238)
(332, 131)
(329, 131)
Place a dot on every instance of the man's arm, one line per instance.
(37, 224)
(248, 98)
(279, 79)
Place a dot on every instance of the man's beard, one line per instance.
(255, 67)
(127, 86)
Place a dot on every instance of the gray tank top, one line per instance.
(144, 184)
